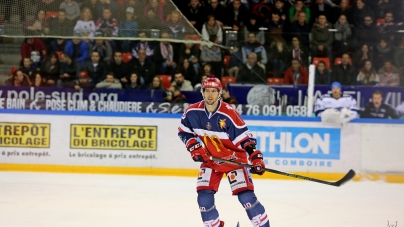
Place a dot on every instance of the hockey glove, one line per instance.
(198, 153)
(257, 160)
(347, 115)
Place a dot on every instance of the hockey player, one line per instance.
(336, 108)
(377, 109)
(223, 134)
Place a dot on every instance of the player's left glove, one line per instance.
(257, 160)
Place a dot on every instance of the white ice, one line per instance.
(75, 200)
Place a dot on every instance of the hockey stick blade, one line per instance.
(351, 173)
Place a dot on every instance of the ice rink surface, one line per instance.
(75, 200)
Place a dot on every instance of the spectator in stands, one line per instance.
(296, 74)
(110, 82)
(107, 4)
(164, 56)
(60, 26)
(50, 69)
(388, 75)
(366, 33)
(176, 95)
(236, 15)
(156, 84)
(399, 54)
(254, 25)
(144, 67)
(250, 72)
(360, 11)
(107, 26)
(212, 27)
(188, 71)
(92, 5)
(128, 28)
(263, 11)
(227, 98)
(32, 44)
(253, 45)
(362, 55)
(385, 6)
(143, 45)
(367, 75)
(322, 76)
(27, 68)
(48, 5)
(36, 60)
(198, 86)
(176, 26)
(85, 27)
(38, 80)
(377, 109)
(196, 14)
(78, 49)
(298, 51)
(213, 56)
(302, 29)
(343, 36)
(72, 9)
(190, 51)
(7, 9)
(388, 28)
(279, 57)
(236, 60)
(157, 9)
(344, 9)
(345, 73)
(275, 27)
(104, 48)
(68, 70)
(37, 26)
(84, 82)
(19, 79)
(57, 45)
(399, 12)
(281, 9)
(150, 20)
(134, 82)
(207, 70)
(319, 8)
(119, 68)
(384, 51)
(96, 67)
(217, 10)
(321, 38)
(181, 82)
(296, 9)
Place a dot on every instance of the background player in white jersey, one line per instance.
(223, 134)
(336, 108)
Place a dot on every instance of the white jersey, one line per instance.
(328, 102)
(400, 109)
(84, 28)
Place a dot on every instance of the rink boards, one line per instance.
(147, 144)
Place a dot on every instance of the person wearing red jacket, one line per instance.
(32, 44)
(296, 74)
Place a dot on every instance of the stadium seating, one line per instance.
(226, 60)
(337, 61)
(275, 81)
(228, 79)
(166, 80)
(316, 60)
(51, 15)
(126, 57)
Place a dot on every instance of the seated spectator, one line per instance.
(129, 26)
(388, 28)
(254, 46)
(157, 9)
(36, 60)
(279, 57)
(37, 26)
(213, 56)
(150, 20)
(236, 60)
(263, 11)
(120, 68)
(156, 84)
(236, 15)
(384, 6)
(78, 50)
(72, 9)
(50, 69)
(181, 82)
(96, 67)
(320, 8)
(107, 4)
(366, 33)
(38, 80)
(85, 27)
(344, 9)
(399, 54)
(143, 45)
(104, 48)
(27, 68)
(251, 72)
(83, 83)
(345, 73)
(383, 52)
(175, 25)
(296, 9)
(19, 79)
(302, 29)
(362, 55)
(399, 12)
(322, 76)
(107, 26)
(198, 86)
(227, 98)
(32, 44)
(253, 26)
(298, 51)
(321, 38)
(343, 36)
(68, 70)
(190, 52)
(212, 27)
(296, 74)
(217, 10)
(60, 26)
(177, 96)
(92, 5)
(134, 82)
(207, 70)
(275, 27)
(110, 82)
(388, 75)
(143, 67)
(164, 56)
(367, 75)
(377, 109)
(361, 10)
(188, 71)
(195, 13)
(135, 4)
(281, 9)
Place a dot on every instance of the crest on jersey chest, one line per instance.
(208, 126)
(222, 123)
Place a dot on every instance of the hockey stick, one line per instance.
(351, 173)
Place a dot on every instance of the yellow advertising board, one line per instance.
(32, 135)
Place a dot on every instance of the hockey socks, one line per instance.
(255, 211)
(206, 202)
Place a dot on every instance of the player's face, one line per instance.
(377, 100)
(336, 92)
(211, 95)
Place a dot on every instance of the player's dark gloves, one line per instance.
(198, 153)
(257, 160)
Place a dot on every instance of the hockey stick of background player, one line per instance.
(342, 181)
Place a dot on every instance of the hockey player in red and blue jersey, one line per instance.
(213, 128)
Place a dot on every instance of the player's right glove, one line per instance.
(257, 160)
(198, 153)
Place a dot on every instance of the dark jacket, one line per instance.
(384, 111)
(198, 15)
(58, 28)
(231, 100)
(346, 76)
(241, 19)
(179, 99)
(321, 36)
(302, 31)
(98, 73)
(147, 71)
(49, 71)
(85, 86)
(69, 69)
(120, 71)
(324, 79)
(254, 75)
